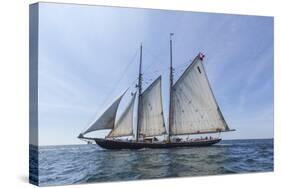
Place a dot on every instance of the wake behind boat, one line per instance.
(193, 110)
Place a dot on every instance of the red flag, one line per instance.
(201, 56)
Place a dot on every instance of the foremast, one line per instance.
(139, 86)
(170, 85)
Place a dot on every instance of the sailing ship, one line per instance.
(193, 110)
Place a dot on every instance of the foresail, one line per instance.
(124, 126)
(107, 119)
(194, 108)
(151, 121)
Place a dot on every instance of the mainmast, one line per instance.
(171, 85)
(139, 94)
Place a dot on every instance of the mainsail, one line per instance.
(107, 119)
(151, 122)
(124, 126)
(194, 109)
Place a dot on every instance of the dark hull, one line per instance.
(117, 144)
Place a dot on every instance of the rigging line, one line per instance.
(155, 57)
(134, 83)
(160, 58)
(185, 64)
(158, 71)
(153, 72)
(113, 90)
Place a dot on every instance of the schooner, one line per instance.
(193, 110)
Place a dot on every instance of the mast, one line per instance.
(171, 85)
(139, 94)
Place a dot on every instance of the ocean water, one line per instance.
(75, 164)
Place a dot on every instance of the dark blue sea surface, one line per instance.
(74, 164)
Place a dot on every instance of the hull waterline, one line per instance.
(118, 144)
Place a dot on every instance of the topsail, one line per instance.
(107, 119)
(151, 113)
(194, 109)
(124, 126)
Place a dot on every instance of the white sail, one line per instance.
(124, 126)
(107, 119)
(151, 122)
(194, 109)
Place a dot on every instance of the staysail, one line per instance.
(151, 122)
(107, 119)
(124, 126)
(194, 109)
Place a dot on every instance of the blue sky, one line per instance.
(88, 55)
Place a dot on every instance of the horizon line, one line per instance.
(95, 143)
